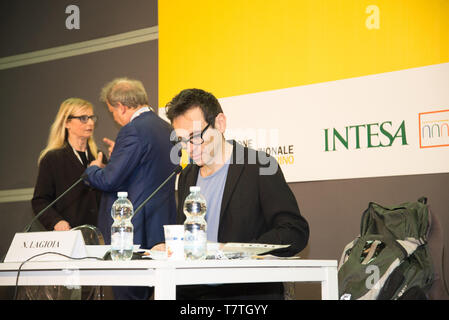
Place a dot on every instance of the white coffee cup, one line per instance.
(174, 241)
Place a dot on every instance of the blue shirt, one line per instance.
(212, 188)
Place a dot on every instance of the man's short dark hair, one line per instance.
(191, 98)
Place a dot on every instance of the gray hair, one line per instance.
(128, 92)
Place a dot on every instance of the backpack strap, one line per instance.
(346, 251)
(371, 251)
(410, 244)
(423, 200)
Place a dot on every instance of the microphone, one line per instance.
(28, 227)
(177, 170)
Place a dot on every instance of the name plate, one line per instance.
(29, 244)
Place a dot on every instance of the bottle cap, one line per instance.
(122, 194)
(195, 189)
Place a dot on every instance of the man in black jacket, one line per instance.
(248, 199)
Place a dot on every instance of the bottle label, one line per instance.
(195, 243)
(122, 241)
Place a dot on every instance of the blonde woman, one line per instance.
(69, 151)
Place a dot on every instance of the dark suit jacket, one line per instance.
(58, 170)
(139, 163)
(255, 207)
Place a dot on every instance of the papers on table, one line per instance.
(230, 250)
(215, 250)
(251, 248)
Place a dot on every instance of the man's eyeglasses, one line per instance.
(196, 139)
(84, 119)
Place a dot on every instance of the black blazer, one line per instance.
(58, 170)
(255, 207)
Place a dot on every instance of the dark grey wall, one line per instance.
(31, 94)
(40, 24)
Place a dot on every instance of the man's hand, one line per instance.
(159, 247)
(62, 226)
(111, 144)
(98, 162)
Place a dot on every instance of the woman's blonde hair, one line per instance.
(58, 132)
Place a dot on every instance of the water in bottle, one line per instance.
(122, 230)
(195, 226)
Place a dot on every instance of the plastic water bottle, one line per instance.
(122, 230)
(195, 227)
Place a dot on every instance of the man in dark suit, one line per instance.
(248, 199)
(139, 163)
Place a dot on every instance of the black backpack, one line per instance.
(390, 259)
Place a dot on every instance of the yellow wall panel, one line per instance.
(234, 47)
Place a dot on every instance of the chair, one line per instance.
(91, 236)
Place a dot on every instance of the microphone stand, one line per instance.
(176, 171)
